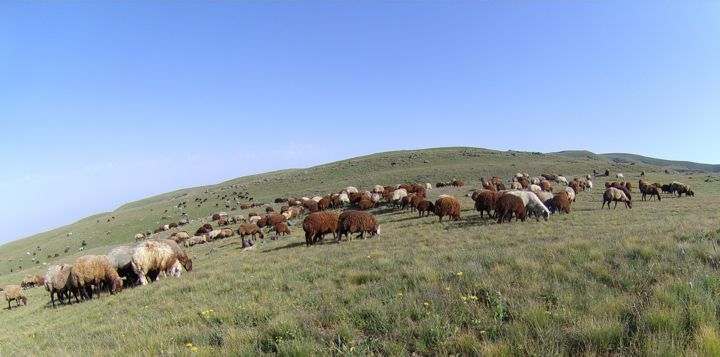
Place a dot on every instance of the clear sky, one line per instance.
(105, 102)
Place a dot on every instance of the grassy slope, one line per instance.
(638, 159)
(628, 281)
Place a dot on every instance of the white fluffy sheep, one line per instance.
(533, 204)
(58, 282)
(399, 194)
(153, 256)
(378, 189)
(571, 194)
(351, 189)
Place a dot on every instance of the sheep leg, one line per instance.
(52, 293)
(9, 306)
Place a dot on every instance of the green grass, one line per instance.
(626, 282)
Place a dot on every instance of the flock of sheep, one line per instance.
(150, 258)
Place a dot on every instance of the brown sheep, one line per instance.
(546, 186)
(269, 210)
(486, 201)
(95, 271)
(415, 199)
(323, 204)
(274, 219)
(317, 224)
(216, 216)
(356, 197)
(281, 229)
(357, 222)
(173, 225)
(424, 208)
(560, 202)
(262, 222)
(311, 206)
(365, 204)
(457, 183)
(14, 292)
(208, 226)
(447, 206)
(251, 229)
(244, 206)
(507, 205)
(651, 190)
(222, 222)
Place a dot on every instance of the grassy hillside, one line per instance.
(639, 281)
(681, 166)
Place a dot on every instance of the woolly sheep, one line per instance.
(58, 282)
(94, 270)
(533, 205)
(14, 292)
(153, 255)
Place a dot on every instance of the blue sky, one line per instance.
(105, 102)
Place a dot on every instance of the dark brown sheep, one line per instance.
(201, 231)
(216, 216)
(173, 225)
(351, 222)
(424, 208)
(311, 206)
(222, 222)
(317, 224)
(365, 204)
(269, 210)
(323, 204)
(560, 202)
(507, 205)
(486, 201)
(415, 199)
(245, 206)
(262, 222)
(457, 183)
(208, 226)
(447, 206)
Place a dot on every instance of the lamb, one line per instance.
(350, 222)
(121, 259)
(14, 292)
(58, 282)
(154, 255)
(414, 201)
(95, 270)
(316, 225)
(447, 206)
(281, 229)
(613, 194)
(507, 205)
(560, 202)
(486, 201)
(533, 204)
(424, 208)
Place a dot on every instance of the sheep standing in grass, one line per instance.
(195, 240)
(14, 292)
(316, 225)
(58, 282)
(560, 203)
(424, 208)
(121, 259)
(180, 254)
(249, 230)
(486, 201)
(94, 271)
(153, 256)
(447, 206)
(533, 204)
(507, 205)
(360, 222)
(281, 229)
(613, 194)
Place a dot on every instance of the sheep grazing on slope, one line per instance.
(316, 225)
(486, 201)
(560, 203)
(281, 229)
(447, 206)
(58, 282)
(195, 240)
(154, 256)
(251, 230)
(181, 237)
(351, 222)
(14, 292)
(32, 281)
(180, 254)
(613, 194)
(570, 191)
(507, 205)
(94, 271)
(121, 259)
(275, 219)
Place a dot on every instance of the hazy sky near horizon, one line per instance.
(106, 102)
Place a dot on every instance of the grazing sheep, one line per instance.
(653, 191)
(561, 179)
(180, 254)
(95, 271)
(58, 282)
(275, 219)
(250, 229)
(560, 202)
(424, 208)
(428, 186)
(619, 176)
(344, 199)
(154, 256)
(121, 259)
(533, 204)
(486, 201)
(613, 194)
(350, 222)
(535, 188)
(316, 225)
(516, 186)
(398, 194)
(31, 281)
(589, 184)
(507, 205)
(323, 203)
(281, 229)
(139, 237)
(544, 196)
(378, 189)
(351, 189)
(447, 206)
(195, 240)
(180, 237)
(546, 186)
(14, 292)
(570, 193)
(457, 183)
(310, 205)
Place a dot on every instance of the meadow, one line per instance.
(640, 281)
